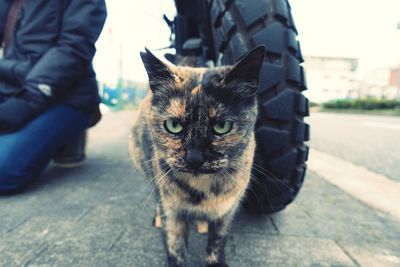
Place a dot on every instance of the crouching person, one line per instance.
(48, 88)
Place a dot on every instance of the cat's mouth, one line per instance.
(199, 171)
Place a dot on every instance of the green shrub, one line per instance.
(362, 104)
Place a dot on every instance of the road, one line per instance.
(369, 141)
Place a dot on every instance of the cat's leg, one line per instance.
(176, 230)
(217, 236)
(157, 222)
(202, 227)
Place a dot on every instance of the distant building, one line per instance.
(381, 83)
(330, 78)
(125, 94)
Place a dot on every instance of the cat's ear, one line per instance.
(246, 72)
(159, 72)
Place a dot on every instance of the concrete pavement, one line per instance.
(370, 141)
(372, 188)
(95, 216)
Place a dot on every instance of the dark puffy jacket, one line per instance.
(52, 50)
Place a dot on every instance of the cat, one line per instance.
(194, 138)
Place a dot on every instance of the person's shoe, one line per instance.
(73, 154)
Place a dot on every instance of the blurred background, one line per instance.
(351, 58)
(129, 28)
(351, 51)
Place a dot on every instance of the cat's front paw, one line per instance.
(217, 265)
(174, 262)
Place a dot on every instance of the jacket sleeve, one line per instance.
(13, 71)
(4, 8)
(60, 67)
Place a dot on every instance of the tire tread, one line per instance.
(281, 132)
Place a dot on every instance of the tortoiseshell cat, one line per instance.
(194, 137)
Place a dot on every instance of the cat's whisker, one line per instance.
(265, 190)
(264, 171)
(268, 175)
(152, 179)
(229, 180)
(245, 183)
(148, 197)
(272, 178)
(152, 159)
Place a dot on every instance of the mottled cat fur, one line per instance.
(198, 174)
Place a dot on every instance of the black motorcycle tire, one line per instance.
(228, 30)
(280, 161)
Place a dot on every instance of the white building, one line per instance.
(381, 83)
(330, 78)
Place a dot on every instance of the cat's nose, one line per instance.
(194, 159)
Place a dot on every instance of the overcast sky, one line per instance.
(364, 29)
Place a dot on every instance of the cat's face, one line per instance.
(202, 119)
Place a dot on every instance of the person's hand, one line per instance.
(15, 112)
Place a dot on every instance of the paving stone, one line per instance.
(40, 228)
(248, 223)
(101, 215)
(337, 215)
(294, 221)
(373, 254)
(288, 251)
(20, 252)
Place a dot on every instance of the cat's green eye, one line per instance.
(222, 127)
(173, 126)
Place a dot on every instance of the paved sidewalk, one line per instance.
(94, 216)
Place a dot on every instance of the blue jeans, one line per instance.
(25, 154)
